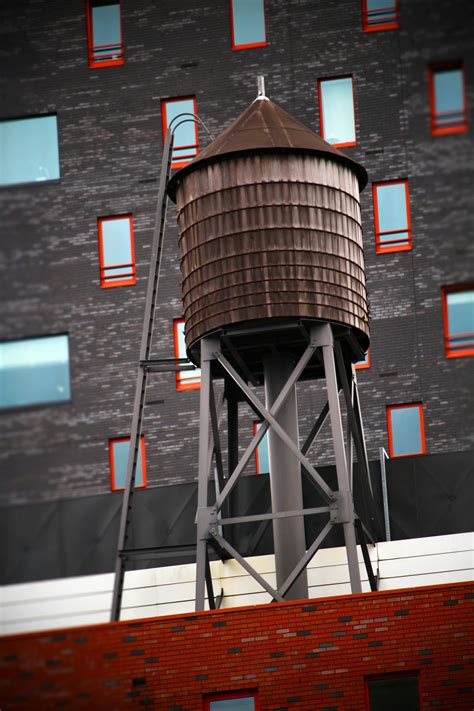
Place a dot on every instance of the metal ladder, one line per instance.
(147, 365)
(144, 367)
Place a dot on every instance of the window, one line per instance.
(34, 371)
(29, 150)
(391, 693)
(364, 363)
(118, 457)
(116, 251)
(406, 430)
(262, 465)
(447, 99)
(186, 140)
(458, 313)
(336, 111)
(104, 33)
(185, 379)
(238, 701)
(391, 216)
(379, 15)
(247, 23)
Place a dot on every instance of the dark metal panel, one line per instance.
(89, 530)
(31, 542)
(429, 495)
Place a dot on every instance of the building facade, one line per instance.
(100, 89)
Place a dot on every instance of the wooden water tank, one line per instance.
(270, 229)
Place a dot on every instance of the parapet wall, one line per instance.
(311, 654)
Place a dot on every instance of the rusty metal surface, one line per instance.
(271, 236)
(265, 126)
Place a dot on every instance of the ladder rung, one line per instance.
(167, 365)
(158, 551)
(164, 360)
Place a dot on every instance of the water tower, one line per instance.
(273, 288)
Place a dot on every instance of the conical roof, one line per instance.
(265, 126)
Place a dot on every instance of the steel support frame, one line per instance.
(340, 506)
(383, 457)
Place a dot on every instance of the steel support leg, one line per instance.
(383, 456)
(285, 477)
(209, 586)
(373, 579)
(232, 426)
(340, 456)
(208, 346)
(355, 428)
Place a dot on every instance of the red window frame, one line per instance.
(180, 383)
(183, 160)
(106, 282)
(255, 425)
(460, 127)
(390, 433)
(113, 486)
(390, 25)
(321, 118)
(362, 365)
(241, 693)
(380, 247)
(388, 676)
(448, 347)
(251, 44)
(94, 63)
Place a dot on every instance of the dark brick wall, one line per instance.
(301, 655)
(110, 143)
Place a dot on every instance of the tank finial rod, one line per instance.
(261, 88)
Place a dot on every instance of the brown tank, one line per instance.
(270, 230)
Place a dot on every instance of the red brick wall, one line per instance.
(299, 655)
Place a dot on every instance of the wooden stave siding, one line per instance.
(246, 223)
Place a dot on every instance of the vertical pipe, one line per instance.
(285, 477)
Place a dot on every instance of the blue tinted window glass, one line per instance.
(461, 312)
(248, 22)
(392, 207)
(379, 4)
(120, 452)
(185, 134)
(34, 371)
(380, 11)
(246, 703)
(448, 91)
(338, 110)
(262, 449)
(29, 150)
(116, 245)
(186, 376)
(106, 35)
(392, 212)
(406, 430)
